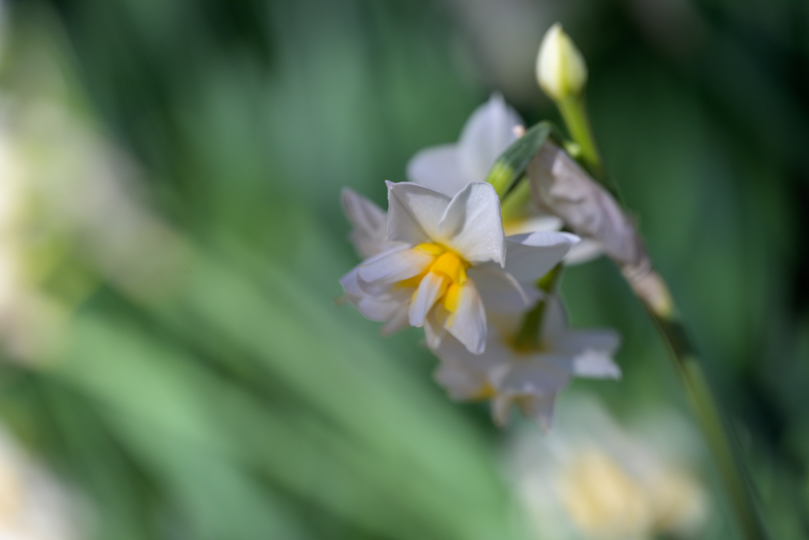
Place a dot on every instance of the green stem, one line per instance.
(574, 113)
(715, 429)
(660, 306)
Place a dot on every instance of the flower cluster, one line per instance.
(448, 258)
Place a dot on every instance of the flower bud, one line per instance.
(561, 70)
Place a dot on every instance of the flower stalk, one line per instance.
(653, 291)
(591, 212)
(574, 113)
(714, 427)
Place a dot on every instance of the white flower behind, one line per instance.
(445, 258)
(592, 478)
(448, 168)
(489, 131)
(511, 372)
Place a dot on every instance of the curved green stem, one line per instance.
(654, 292)
(717, 432)
(574, 113)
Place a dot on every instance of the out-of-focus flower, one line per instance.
(69, 215)
(34, 505)
(450, 255)
(560, 68)
(590, 479)
(528, 373)
(488, 132)
(30, 321)
(448, 168)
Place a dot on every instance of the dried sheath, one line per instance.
(560, 186)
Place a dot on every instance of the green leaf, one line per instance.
(511, 165)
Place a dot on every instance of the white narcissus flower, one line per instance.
(560, 69)
(449, 168)
(446, 260)
(508, 373)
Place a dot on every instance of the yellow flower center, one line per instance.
(450, 267)
(602, 498)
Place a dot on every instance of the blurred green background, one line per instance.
(205, 384)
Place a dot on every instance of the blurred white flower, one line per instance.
(69, 214)
(528, 374)
(488, 132)
(449, 256)
(560, 69)
(590, 479)
(30, 322)
(34, 505)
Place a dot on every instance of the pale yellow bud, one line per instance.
(561, 70)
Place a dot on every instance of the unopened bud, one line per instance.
(561, 70)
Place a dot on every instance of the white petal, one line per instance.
(584, 251)
(430, 289)
(396, 264)
(486, 135)
(472, 225)
(434, 331)
(592, 351)
(378, 309)
(369, 221)
(502, 325)
(501, 407)
(398, 321)
(604, 341)
(499, 290)
(350, 283)
(535, 377)
(459, 380)
(540, 408)
(596, 365)
(414, 212)
(554, 321)
(534, 223)
(531, 256)
(438, 168)
(468, 323)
